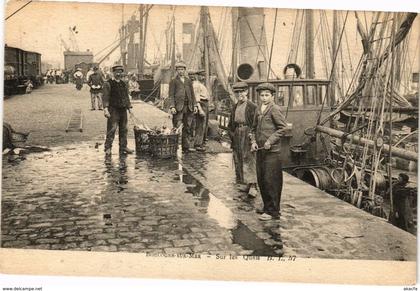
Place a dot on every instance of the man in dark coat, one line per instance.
(240, 123)
(183, 105)
(402, 215)
(268, 127)
(95, 82)
(116, 103)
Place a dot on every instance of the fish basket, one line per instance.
(163, 146)
(141, 137)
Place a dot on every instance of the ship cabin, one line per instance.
(301, 101)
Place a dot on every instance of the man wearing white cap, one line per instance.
(78, 78)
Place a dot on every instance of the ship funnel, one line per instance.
(245, 72)
(252, 45)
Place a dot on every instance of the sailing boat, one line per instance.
(345, 143)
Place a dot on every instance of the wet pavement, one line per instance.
(72, 198)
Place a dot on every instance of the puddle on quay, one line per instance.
(215, 208)
(117, 171)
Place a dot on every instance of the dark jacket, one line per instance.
(115, 94)
(249, 116)
(95, 79)
(268, 126)
(179, 91)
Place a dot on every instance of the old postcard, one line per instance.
(210, 142)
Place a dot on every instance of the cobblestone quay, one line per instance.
(72, 198)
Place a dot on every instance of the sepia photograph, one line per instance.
(210, 142)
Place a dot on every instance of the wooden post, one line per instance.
(173, 47)
(235, 42)
(334, 75)
(140, 59)
(204, 23)
(309, 42)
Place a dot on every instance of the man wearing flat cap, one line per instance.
(183, 105)
(201, 118)
(116, 103)
(240, 123)
(95, 82)
(268, 127)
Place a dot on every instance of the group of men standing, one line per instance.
(56, 76)
(188, 103)
(255, 133)
(255, 130)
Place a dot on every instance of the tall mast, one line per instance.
(143, 50)
(141, 43)
(234, 42)
(131, 53)
(204, 23)
(123, 43)
(334, 75)
(309, 42)
(173, 46)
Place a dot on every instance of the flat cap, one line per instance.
(239, 86)
(180, 65)
(117, 68)
(196, 72)
(266, 86)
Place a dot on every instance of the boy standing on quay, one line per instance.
(269, 125)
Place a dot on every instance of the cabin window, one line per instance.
(283, 95)
(310, 95)
(252, 94)
(297, 94)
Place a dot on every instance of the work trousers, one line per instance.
(117, 120)
(186, 117)
(96, 99)
(201, 123)
(243, 158)
(270, 180)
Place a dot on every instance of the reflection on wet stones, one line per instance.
(121, 204)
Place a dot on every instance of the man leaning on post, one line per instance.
(116, 103)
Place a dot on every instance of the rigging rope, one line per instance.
(259, 47)
(332, 68)
(292, 36)
(19, 9)
(272, 44)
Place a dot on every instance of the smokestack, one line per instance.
(252, 45)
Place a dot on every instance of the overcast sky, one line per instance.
(38, 27)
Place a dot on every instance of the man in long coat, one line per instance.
(240, 124)
(183, 105)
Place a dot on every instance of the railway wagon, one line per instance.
(20, 66)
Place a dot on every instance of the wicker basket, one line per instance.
(163, 146)
(142, 140)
